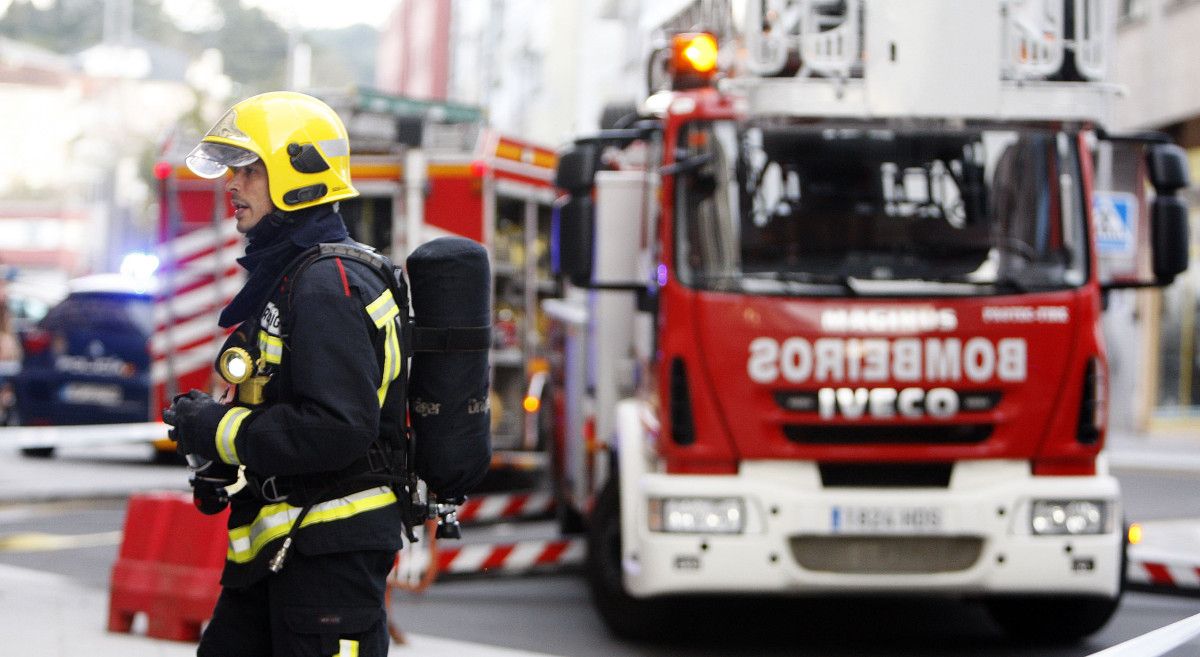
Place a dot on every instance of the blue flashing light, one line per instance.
(139, 265)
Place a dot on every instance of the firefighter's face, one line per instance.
(250, 195)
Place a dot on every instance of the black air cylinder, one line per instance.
(448, 387)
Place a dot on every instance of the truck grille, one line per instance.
(887, 434)
(885, 475)
(877, 555)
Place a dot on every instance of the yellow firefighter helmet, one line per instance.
(301, 141)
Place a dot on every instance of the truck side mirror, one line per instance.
(573, 223)
(1169, 234)
(1142, 236)
(576, 169)
(1168, 168)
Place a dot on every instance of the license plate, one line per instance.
(886, 519)
(91, 393)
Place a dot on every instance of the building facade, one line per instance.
(74, 195)
(1156, 362)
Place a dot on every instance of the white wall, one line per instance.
(1156, 61)
(545, 70)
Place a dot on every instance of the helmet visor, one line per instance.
(212, 160)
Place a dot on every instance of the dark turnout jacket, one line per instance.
(332, 349)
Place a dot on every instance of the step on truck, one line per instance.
(833, 320)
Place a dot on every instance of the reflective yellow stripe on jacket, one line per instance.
(276, 520)
(271, 347)
(383, 310)
(227, 430)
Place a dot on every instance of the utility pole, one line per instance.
(489, 54)
(116, 39)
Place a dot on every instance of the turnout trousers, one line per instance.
(316, 606)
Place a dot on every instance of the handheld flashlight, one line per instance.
(238, 368)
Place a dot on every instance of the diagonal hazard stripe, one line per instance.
(510, 557)
(496, 507)
(1159, 574)
(553, 552)
(497, 557)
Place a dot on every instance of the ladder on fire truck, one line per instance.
(1036, 36)
(1030, 59)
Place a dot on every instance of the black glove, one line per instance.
(209, 482)
(195, 416)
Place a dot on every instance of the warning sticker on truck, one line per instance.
(1116, 222)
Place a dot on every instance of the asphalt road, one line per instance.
(551, 613)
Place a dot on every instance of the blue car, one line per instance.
(88, 360)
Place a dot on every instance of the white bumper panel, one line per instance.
(986, 508)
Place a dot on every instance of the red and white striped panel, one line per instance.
(1165, 574)
(202, 253)
(1166, 554)
(200, 275)
(510, 558)
(491, 508)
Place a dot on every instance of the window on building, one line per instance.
(1130, 10)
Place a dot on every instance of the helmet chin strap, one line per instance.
(279, 216)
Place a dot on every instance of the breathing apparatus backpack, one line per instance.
(444, 437)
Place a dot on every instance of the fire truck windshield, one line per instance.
(825, 209)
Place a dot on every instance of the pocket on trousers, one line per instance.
(331, 624)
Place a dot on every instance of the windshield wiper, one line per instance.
(908, 287)
(778, 282)
(808, 280)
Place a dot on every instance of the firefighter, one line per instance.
(312, 533)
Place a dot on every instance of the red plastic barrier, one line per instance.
(169, 566)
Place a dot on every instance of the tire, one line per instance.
(1051, 620)
(38, 452)
(1057, 619)
(626, 616)
(12, 419)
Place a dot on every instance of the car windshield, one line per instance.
(851, 210)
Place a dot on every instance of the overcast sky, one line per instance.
(321, 14)
(309, 14)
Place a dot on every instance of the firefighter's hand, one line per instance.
(169, 416)
(195, 416)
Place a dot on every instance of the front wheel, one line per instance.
(1049, 620)
(625, 616)
(1058, 619)
(38, 452)
(10, 418)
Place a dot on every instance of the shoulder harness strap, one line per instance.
(359, 252)
(417, 338)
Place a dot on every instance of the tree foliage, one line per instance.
(253, 46)
(70, 26)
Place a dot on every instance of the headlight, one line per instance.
(1069, 517)
(697, 515)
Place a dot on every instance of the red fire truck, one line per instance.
(834, 314)
(423, 169)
